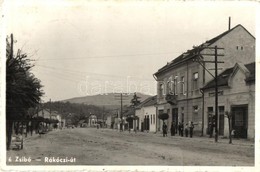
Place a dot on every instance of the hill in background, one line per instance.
(109, 101)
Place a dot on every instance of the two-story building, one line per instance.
(179, 82)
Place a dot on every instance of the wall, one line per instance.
(237, 37)
(151, 110)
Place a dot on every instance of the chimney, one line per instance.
(229, 23)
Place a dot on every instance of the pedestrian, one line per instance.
(40, 130)
(173, 129)
(191, 128)
(182, 128)
(210, 130)
(164, 129)
(179, 128)
(186, 130)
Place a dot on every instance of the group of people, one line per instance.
(188, 129)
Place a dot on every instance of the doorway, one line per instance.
(239, 120)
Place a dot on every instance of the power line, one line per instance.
(73, 72)
(107, 56)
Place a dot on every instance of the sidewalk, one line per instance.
(205, 138)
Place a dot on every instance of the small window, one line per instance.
(237, 47)
(195, 75)
(195, 80)
(241, 47)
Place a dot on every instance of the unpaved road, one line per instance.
(90, 146)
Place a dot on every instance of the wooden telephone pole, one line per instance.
(201, 61)
(121, 96)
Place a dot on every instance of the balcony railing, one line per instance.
(171, 99)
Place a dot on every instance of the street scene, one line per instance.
(91, 146)
(130, 83)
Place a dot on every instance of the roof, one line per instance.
(148, 102)
(192, 53)
(224, 76)
(130, 112)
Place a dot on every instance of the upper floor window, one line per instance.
(195, 80)
(169, 85)
(161, 90)
(175, 85)
(182, 85)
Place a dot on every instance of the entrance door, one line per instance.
(175, 115)
(239, 121)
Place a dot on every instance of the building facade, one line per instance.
(236, 95)
(147, 115)
(180, 81)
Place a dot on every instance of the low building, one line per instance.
(146, 112)
(236, 90)
(92, 121)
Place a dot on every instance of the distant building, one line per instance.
(92, 121)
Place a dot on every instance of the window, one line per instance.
(241, 47)
(210, 116)
(175, 85)
(182, 85)
(237, 47)
(169, 85)
(151, 119)
(161, 90)
(195, 80)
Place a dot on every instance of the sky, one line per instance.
(85, 48)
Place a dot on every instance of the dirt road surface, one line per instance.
(90, 146)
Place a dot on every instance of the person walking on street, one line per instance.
(164, 129)
(173, 129)
(191, 129)
(186, 130)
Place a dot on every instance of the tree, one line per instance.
(163, 116)
(134, 103)
(229, 116)
(135, 100)
(23, 89)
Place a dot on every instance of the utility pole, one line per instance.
(121, 113)
(103, 123)
(201, 61)
(216, 94)
(121, 96)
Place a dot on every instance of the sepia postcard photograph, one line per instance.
(129, 85)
